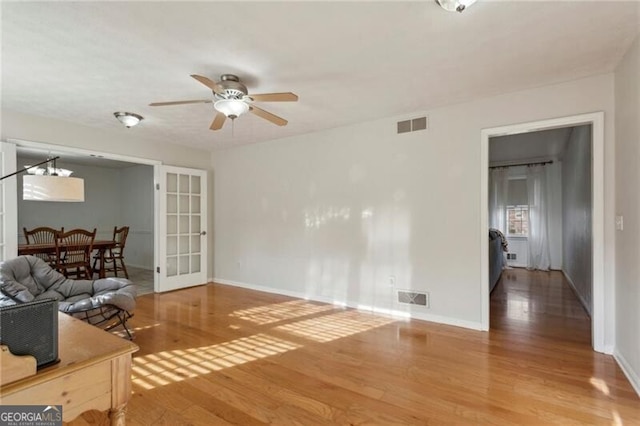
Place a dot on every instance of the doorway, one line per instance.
(118, 191)
(596, 120)
(540, 205)
(177, 222)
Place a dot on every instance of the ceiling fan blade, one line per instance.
(218, 121)
(201, 101)
(209, 83)
(275, 97)
(268, 116)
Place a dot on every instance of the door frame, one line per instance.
(600, 315)
(104, 155)
(9, 188)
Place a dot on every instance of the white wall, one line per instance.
(136, 211)
(554, 191)
(520, 247)
(577, 204)
(332, 214)
(627, 100)
(121, 141)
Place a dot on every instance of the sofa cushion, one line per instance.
(28, 278)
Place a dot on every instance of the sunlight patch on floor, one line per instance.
(166, 367)
(123, 334)
(335, 326)
(268, 314)
(600, 384)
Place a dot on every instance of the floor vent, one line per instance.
(413, 298)
(413, 125)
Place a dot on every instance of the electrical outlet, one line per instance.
(392, 280)
(619, 223)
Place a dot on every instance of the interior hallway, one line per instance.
(538, 304)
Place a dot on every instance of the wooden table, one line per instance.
(94, 373)
(101, 245)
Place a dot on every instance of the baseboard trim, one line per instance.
(473, 325)
(149, 268)
(577, 293)
(632, 376)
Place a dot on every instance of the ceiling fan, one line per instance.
(231, 99)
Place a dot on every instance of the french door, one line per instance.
(181, 219)
(8, 203)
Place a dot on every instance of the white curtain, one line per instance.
(538, 240)
(498, 186)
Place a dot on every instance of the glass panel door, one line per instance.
(182, 237)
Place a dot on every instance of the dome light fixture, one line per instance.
(231, 108)
(129, 119)
(455, 5)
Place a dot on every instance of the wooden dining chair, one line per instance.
(43, 235)
(73, 252)
(114, 257)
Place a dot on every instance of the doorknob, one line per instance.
(203, 233)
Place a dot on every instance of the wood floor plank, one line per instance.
(217, 354)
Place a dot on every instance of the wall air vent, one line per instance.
(413, 298)
(413, 125)
(404, 126)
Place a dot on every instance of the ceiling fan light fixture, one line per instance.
(231, 100)
(231, 108)
(455, 5)
(129, 119)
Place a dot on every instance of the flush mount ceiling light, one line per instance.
(455, 5)
(129, 119)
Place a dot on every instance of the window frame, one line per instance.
(521, 207)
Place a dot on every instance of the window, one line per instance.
(518, 221)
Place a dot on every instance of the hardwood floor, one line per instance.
(221, 355)
(143, 279)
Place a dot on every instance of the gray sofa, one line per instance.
(105, 301)
(496, 258)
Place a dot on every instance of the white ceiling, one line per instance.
(532, 146)
(68, 157)
(348, 61)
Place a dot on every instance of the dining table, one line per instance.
(50, 248)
